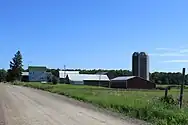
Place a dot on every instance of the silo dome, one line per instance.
(135, 53)
(143, 54)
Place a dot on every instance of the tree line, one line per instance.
(169, 78)
(14, 73)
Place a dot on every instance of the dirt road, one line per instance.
(25, 106)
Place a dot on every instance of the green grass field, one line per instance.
(143, 104)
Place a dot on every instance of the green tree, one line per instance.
(54, 79)
(16, 69)
(9, 77)
(3, 75)
(55, 72)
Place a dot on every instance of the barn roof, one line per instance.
(120, 78)
(102, 73)
(63, 74)
(82, 77)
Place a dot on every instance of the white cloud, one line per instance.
(171, 52)
(184, 51)
(165, 49)
(176, 61)
(168, 54)
(178, 50)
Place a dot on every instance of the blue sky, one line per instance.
(95, 33)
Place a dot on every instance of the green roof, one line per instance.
(37, 68)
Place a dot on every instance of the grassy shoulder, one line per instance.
(143, 105)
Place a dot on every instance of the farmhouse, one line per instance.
(37, 73)
(88, 79)
(131, 82)
(63, 74)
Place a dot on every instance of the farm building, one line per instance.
(63, 74)
(109, 74)
(131, 82)
(88, 79)
(25, 76)
(37, 73)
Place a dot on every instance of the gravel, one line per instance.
(26, 106)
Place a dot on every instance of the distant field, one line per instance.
(166, 85)
(142, 104)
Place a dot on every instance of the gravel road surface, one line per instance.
(26, 106)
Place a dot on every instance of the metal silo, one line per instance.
(144, 65)
(136, 64)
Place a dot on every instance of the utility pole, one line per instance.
(110, 84)
(64, 74)
(64, 71)
(182, 87)
(99, 79)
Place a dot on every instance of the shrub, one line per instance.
(54, 79)
(169, 100)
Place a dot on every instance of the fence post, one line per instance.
(182, 87)
(166, 92)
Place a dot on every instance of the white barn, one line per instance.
(88, 79)
(63, 75)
